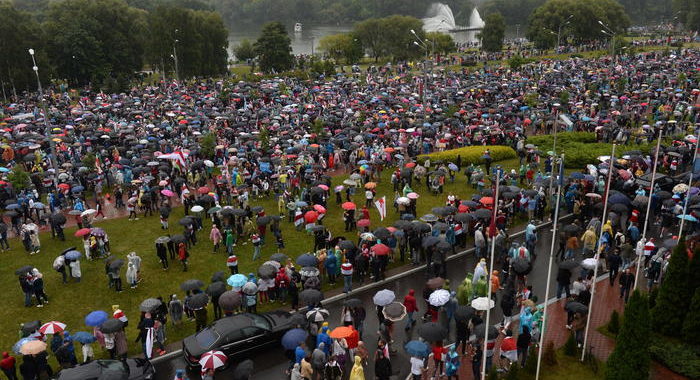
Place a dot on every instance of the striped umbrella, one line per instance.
(53, 327)
(212, 359)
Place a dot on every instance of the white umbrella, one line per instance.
(383, 297)
(589, 263)
(197, 208)
(439, 297)
(483, 303)
(403, 201)
(208, 164)
(89, 212)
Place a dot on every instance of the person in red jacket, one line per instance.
(410, 303)
(7, 364)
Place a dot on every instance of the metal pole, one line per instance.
(597, 254)
(549, 276)
(52, 144)
(687, 194)
(554, 146)
(490, 268)
(646, 216)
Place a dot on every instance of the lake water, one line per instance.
(307, 41)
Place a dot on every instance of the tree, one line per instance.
(673, 299)
(244, 51)
(688, 13)
(98, 41)
(208, 144)
(273, 48)
(369, 32)
(493, 32)
(691, 325)
(694, 269)
(391, 36)
(342, 46)
(631, 357)
(614, 324)
(516, 61)
(577, 20)
(514, 11)
(19, 32)
(440, 42)
(19, 178)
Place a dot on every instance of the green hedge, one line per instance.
(581, 148)
(471, 154)
(677, 356)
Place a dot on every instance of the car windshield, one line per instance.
(207, 337)
(259, 321)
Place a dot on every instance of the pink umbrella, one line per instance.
(320, 209)
(363, 223)
(167, 193)
(163, 183)
(324, 187)
(212, 360)
(53, 327)
(381, 249)
(412, 195)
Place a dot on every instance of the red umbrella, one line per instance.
(63, 186)
(349, 206)
(363, 223)
(486, 201)
(53, 327)
(82, 232)
(311, 216)
(203, 190)
(381, 249)
(320, 209)
(463, 208)
(324, 187)
(410, 165)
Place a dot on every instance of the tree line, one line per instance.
(105, 43)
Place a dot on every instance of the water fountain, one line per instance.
(440, 18)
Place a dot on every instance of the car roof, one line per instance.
(96, 369)
(234, 322)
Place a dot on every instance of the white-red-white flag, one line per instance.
(381, 206)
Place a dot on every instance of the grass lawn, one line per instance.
(570, 368)
(69, 303)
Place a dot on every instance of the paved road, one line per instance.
(271, 363)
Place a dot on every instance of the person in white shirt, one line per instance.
(417, 368)
(369, 195)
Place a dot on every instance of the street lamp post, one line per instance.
(174, 57)
(420, 43)
(565, 23)
(52, 144)
(609, 32)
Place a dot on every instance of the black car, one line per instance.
(129, 369)
(237, 335)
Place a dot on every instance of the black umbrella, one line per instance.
(310, 296)
(30, 327)
(443, 246)
(264, 220)
(482, 213)
(382, 233)
(149, 304)
(111, 326)
(440, 226)
(432, 332)
(663, 194)
(218, 276)
(576, 307)
(230, 300)
(118, 263)
(198, 301)
(298, 319)
(237, 211)
(479, 331)
(464, 313)
(177, 239)
(464, 217)
(256, 209)
(58, 219)
(421, 227)
(402, 224)
(185, 221)
(346, 244)
(279, 257)
(191, 284)
(352, 302)
(670, 243)
(619, 208)
(430, 241)
(24, 270)
(569, 264)
(267, 271)
(571, 228)
(407, 217)
(216, 289)
(521, 266)
(244, 371)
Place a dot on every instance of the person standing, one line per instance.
(215, 237)
(409, 301)
(614, 263)
(75, 269)
(626, 284)
(346, 270)
(182, 255)
(563, 282)
(8, 364)
(175, 309)
(417, 368)
(38, 287)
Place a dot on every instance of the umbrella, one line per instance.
(24, 270)
(58, 219)
(309, 272)
(17, 346)
(263, 220)
(382, 233)
(576, 307)
(353, 302)
(394, 311)
(267, 271)
(249, 288)
(197, 208)
(279, 257)
(31, 327)
(430, 241)
(149, 304)
(298, 320)
(429, 218)
(569, 264)
(82, 232)
(84, 337)
(32, 347)
(482, 303)
(346, 245)
(191, 285)
(670, 243)
(212, 360)
(230, 300)
(307, 260)
(341, 332)
(237, 280)
(111, 326)
(292, 338)
(198, 301)
(417, 348)
(73, 255)
(687, 217)
(482, 213)
(435, 282)
(363, 223)
(96, 231)
(177, 239)
(571, 228)
(96, 318)
(348, 206)
(52, 327)
(186, 221)
(317, 315)
(432, 332)
(381, 249)
(521, 266)
(439, 297)
(311, 296)
(464, 313)
(216, 289)
(407, 217)
(383, 297)
(479, 331)
(589, 263)
(244, 370)
(218, 276)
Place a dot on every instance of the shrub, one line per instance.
(674, 299)
(493, 374)
(513, 372)
(691, 325)
(678, 357)
(630, 358)
(614, 324)
(550, 354)
(570, 346)
(471, 154)
(652, 297)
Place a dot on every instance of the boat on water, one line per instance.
(297, 27)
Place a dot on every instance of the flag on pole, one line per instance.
(298, 218)
(493, 231)
(98, 164)
(381, 206)
(561, 171)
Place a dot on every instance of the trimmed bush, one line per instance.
(471, 154)
(691, 325)
(570, 346)
(614, 324)
(678, 357)
(674, 296)
(550, 354)
(630, 359)
(513, 372)
(531, 362)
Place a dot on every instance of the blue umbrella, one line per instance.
(619, 198)
(13, 206)
(291, 339)
(577, 175)
(96, 318)
(77, 189)
(21, 343)
(237, 280)
(4, 169)
(84, 337)
(687, 217)
(301, 204)
(417, 348)
(73, 255)
(38, 205)
(307, 260)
